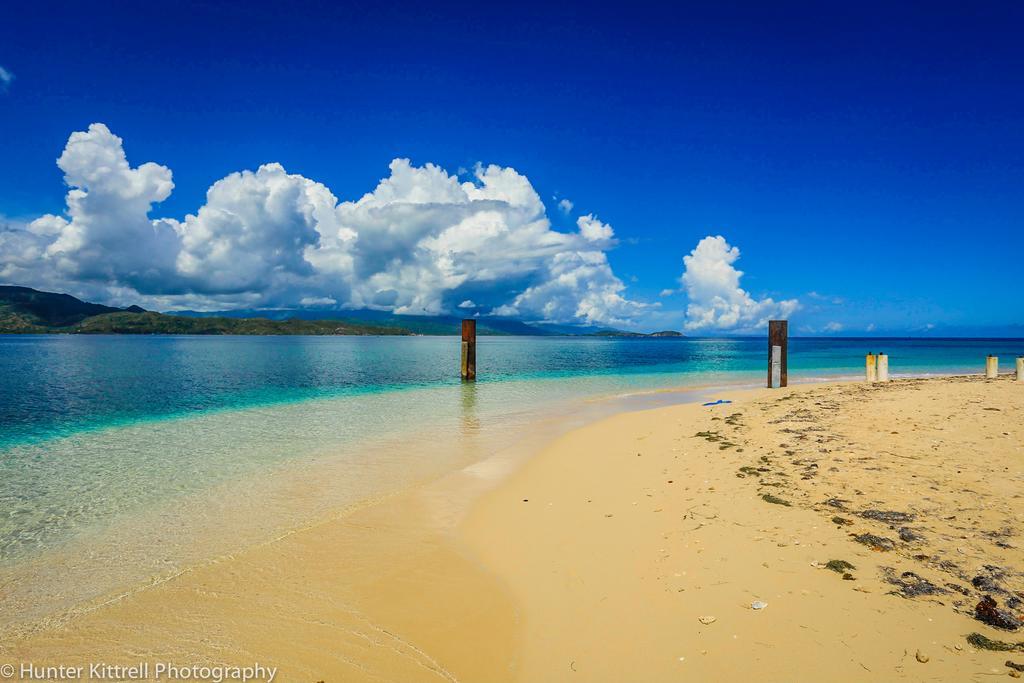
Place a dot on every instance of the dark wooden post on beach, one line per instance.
(468, 365)
(778, 346)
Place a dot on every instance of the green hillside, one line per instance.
(25, 309)
(28, 311)
(124, 322)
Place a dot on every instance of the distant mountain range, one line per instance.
(416, 324)
(29, 311)
(428, 324)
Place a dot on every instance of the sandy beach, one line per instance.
(512, 343)
(842, 532)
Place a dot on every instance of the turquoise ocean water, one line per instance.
(131, 452)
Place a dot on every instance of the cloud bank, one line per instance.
(716, 300)
(421, 242)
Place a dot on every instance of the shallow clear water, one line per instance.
(160, 440)
(60, 384)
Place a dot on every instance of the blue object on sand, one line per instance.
(718, 402)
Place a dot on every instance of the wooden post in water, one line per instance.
(468, 365)
(778, 352)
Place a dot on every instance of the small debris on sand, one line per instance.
(707, 620)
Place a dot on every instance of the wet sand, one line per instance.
(634, 549)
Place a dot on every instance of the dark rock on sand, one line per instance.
(988, 612)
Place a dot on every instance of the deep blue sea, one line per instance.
(126, 457)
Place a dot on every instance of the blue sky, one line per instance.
(867, 161)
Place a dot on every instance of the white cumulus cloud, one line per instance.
(5, 78)
(107, 236)
(565, 206)
(716, 300)
(580, 286)
(594, 230)
(421, 241)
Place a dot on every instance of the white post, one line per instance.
(870, 369)
(776, 366)
(883, 367)
(992, 367)
(1020, 368)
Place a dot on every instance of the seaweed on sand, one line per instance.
(879, 543)
(775, 500)
(985, 643)
(839, 566)
(887, 516)
(909, 584)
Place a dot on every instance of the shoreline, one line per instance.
(103, 542)
(26, 580)
(722, 380)
(432, 574)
